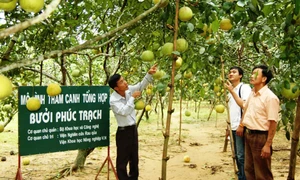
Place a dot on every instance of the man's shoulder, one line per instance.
(245, 85)
(271, 94)
(114, 97)
(245, 88)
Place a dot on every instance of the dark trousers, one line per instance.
(256, 167)
(127, 153)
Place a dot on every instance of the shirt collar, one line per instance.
(116, 96)
(239, 85)
(261, 91)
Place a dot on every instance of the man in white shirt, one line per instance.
(238, 94)
(122, 105)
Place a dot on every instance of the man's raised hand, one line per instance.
(153, 69)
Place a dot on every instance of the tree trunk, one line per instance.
(211, 110)
(81, 157)
(165, 157)
(63, 70)
(140, 118)
(162, 111)
(294, 143)
(198, 110)
(180, 115)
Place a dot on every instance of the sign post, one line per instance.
(109, 162)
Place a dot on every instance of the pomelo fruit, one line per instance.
(32, 5)
(33, 104)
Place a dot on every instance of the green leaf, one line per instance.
(267, 9)
(190, 27)
(156, 33)
(160, 87)
(202, 50)
(285, 120)
(287, 135)
(291, 30)
(269, 3)
(297, 7)
(286, 84)
(202, 92)
(227, 6)
(195, 65)
(266, 28)
(254, 8)
(215, 26)
(176, 53)
(237, 34)
(288, 19)
(295, 89)
(256, 74)
(254, 2)
(291, 105)
(241, 3)
(178, 76)
(256, 36)
(164, 16)
(283, 107)
(252, 15)
(220, 49)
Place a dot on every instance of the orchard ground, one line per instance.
(201, 139)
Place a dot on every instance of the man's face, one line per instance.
(257, 77)
(234, 75)
(121, 85)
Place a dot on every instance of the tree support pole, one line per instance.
(229, 125)
(226, 141)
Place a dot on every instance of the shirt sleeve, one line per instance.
(141, 85)
(272, 109)
(120, 108)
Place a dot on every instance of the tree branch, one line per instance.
(47, 75)
(19, 27)
(5, 1)
(11, 45)
(56, 53)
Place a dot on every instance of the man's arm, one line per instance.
(235, 96)
(272, 111)
(146, 80)
(266, 150)
(121, 108)
(240, 129)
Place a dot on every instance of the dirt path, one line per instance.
(202, 140)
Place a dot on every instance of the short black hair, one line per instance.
(265, 72)
(241, 72)
(113, 80)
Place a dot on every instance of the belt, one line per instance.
(126, 127)
(249, 131)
